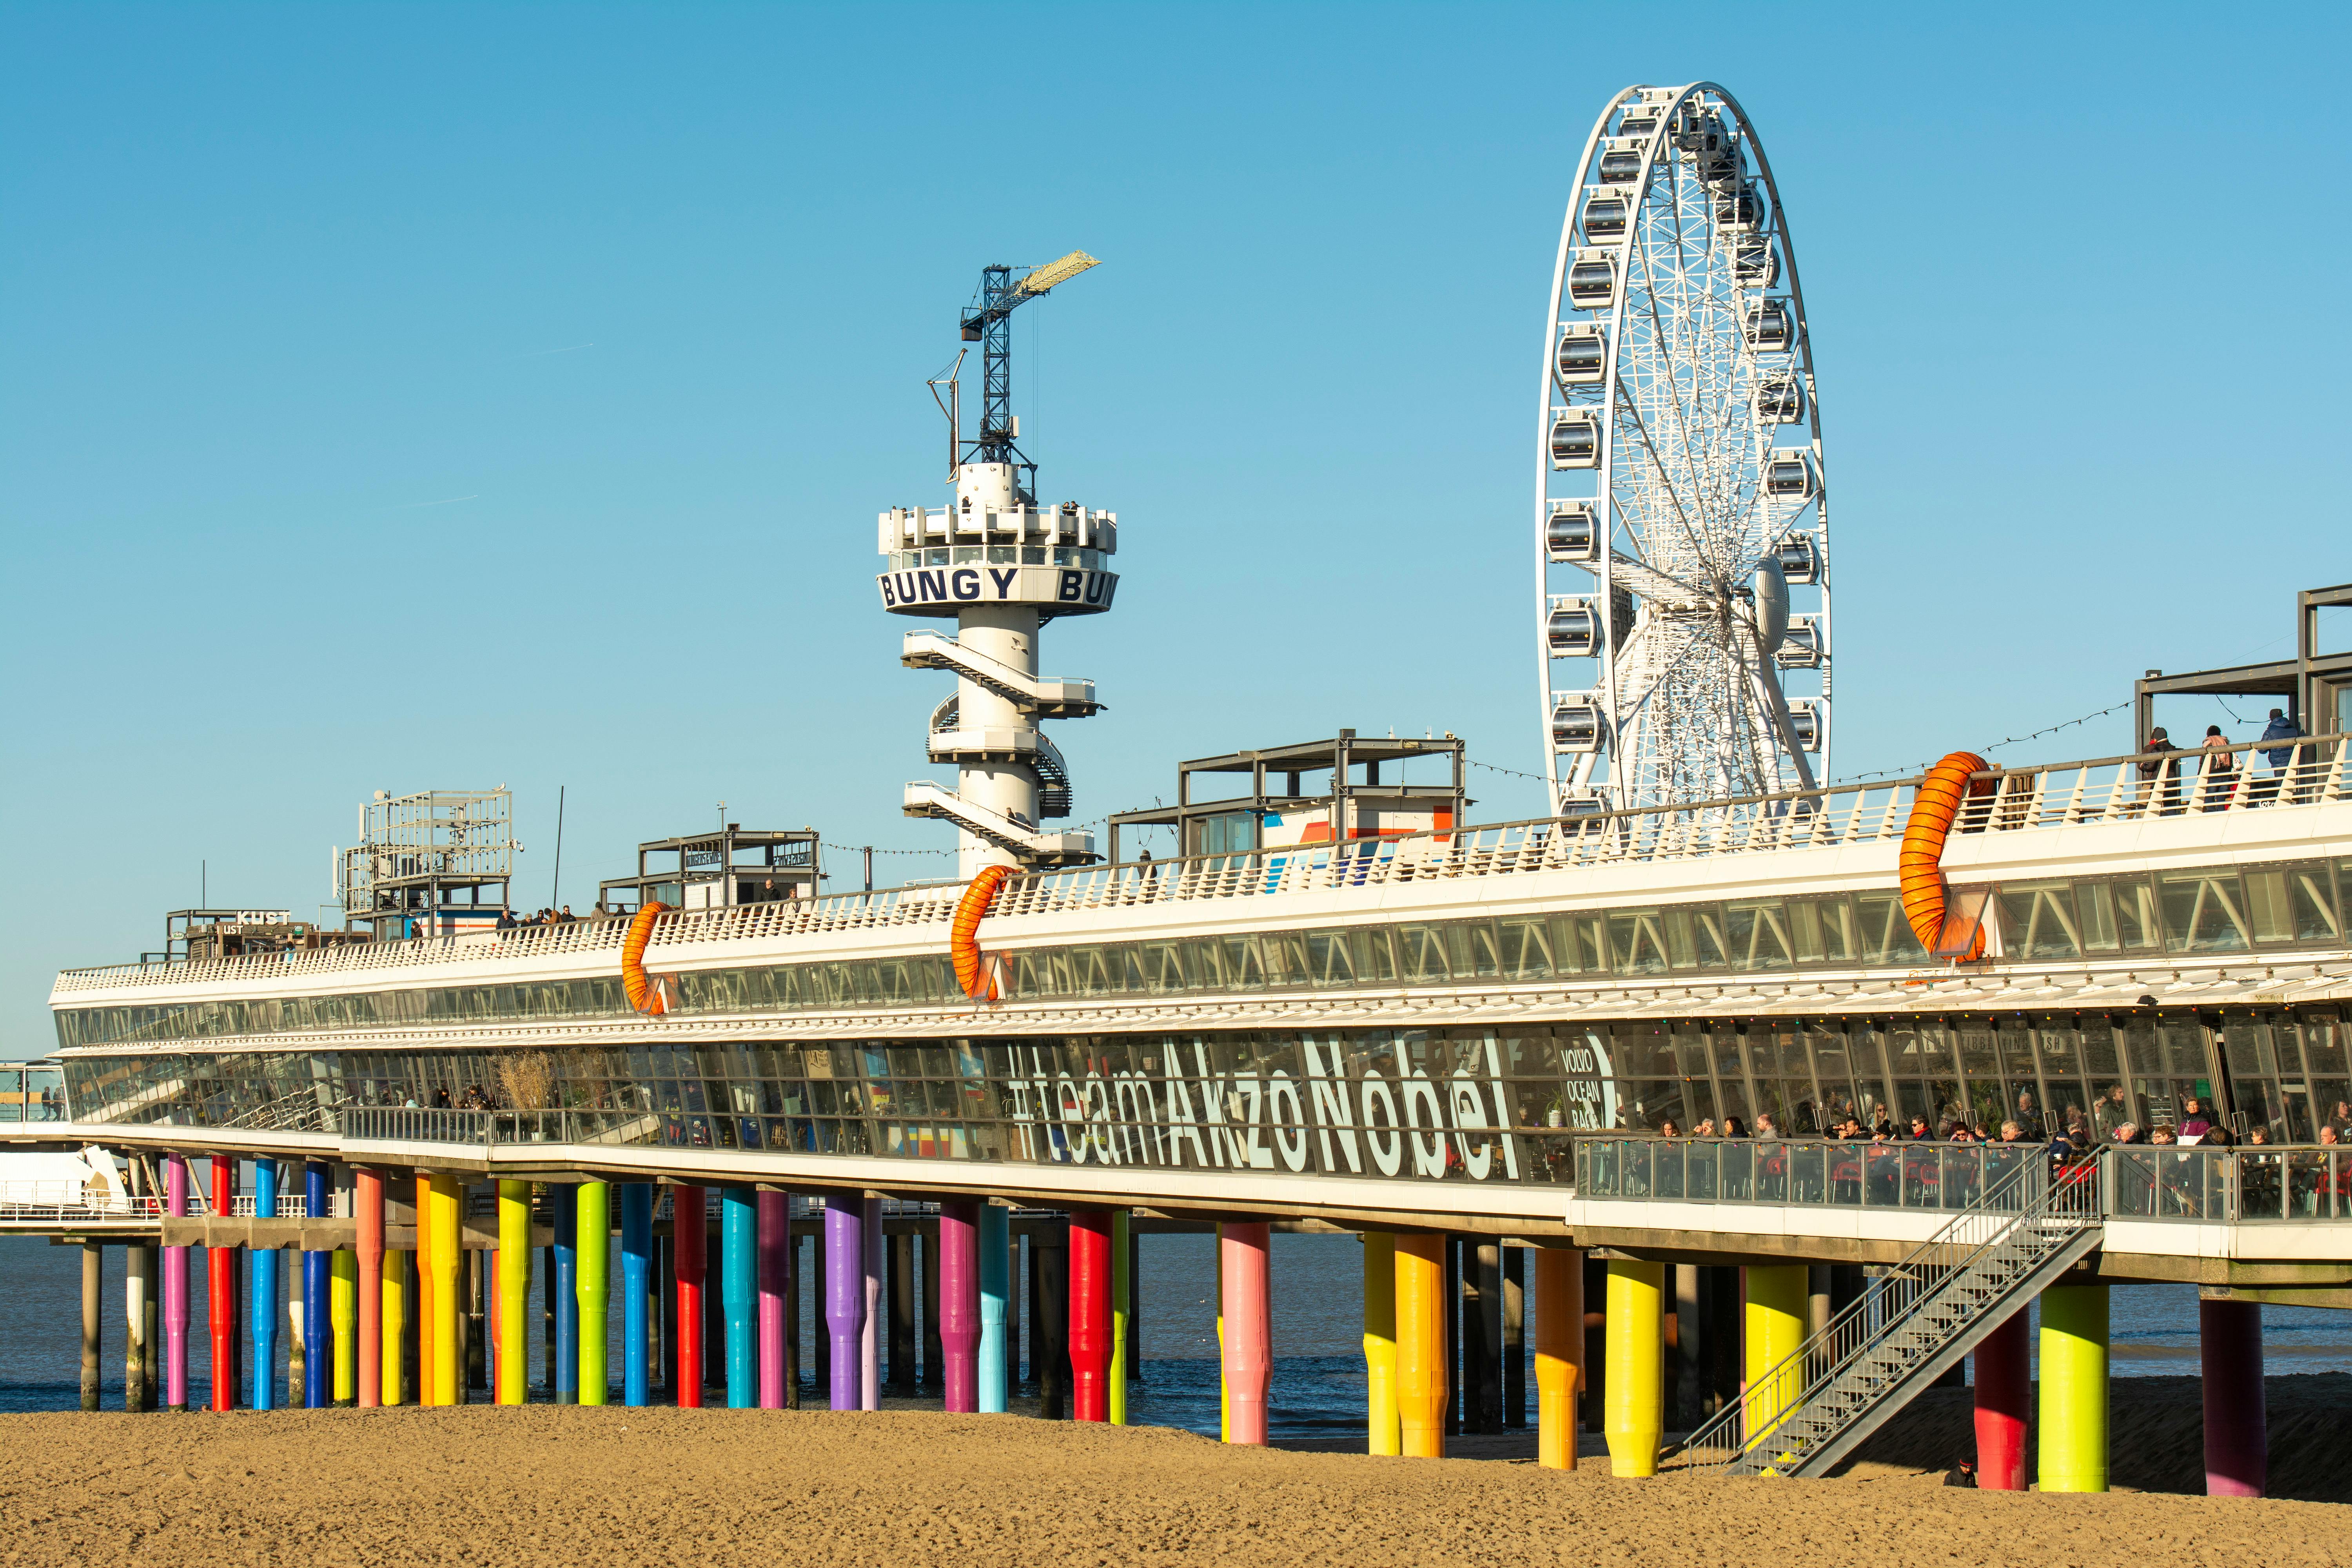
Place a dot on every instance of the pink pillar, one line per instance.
(959, 1303)
(2237, 1435)
(2004, 1391)
(1249, 1331)
(774, 1243)
(176, 1290)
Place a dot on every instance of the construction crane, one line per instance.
(987, 322)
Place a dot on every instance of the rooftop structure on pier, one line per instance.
(1317, 792)
(725, 868)
(430, 864)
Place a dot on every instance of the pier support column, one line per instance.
(1636, 1324)
(447, 1202)
(266, 1303)
(1122, 1296)
(220, 1289)
(175, 1289)
(636, 1273)
(421, 1308)
(593, 1234)
(1249, 1328)
(994, 1236)
(2004, 1396)
(318, 1307)
(873, 1244)
(391, 1375)
(898, 1311)
(1090, 1314)
(772, 1219)
(343, 1318)
(2237, 1438)
(2074, 1388)
(1560, 1353)
(960, 1330)
(1779, 1300)
(933, 1352)
(136, 1287)
(738, 1282)
(514, 1292)
(1421, 1385)
(93, 1276)
(1515, 1336)
(689, 1242)
(367, 1209)
(1381, 1433)
(845, 1298)
(1052, 1302)
(562, 1290)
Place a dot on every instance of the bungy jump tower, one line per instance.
(1000, 566)
(1501, 1054)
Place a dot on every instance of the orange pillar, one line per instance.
(1560, 1353)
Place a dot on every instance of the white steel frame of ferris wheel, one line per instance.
(1552, 397)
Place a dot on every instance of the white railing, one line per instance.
(2109, 789)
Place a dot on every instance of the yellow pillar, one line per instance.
(1560, 1353)
(1422, 1383)
(1382, 1433)
(2074, 1389)
(448, 1216)
(342, 1312)
(1225, 1400)
(1636, 1423)
(395, 1324)
(1773, 1330)
(514, 1291)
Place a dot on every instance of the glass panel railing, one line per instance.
(1666, 1171)
(1738, 1170)
(1700, 1162)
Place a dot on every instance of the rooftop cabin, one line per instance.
(1317, 792)
(729, 868)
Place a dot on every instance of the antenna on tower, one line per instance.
(988, 323)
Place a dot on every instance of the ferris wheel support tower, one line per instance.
(1000, 566)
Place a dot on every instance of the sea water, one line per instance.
(1319, 1370)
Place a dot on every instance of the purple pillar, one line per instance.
(176, 1290)
(959, 1303)
(775, 1243)
(869, 1348)
(845, 1297)
(2237, 1437)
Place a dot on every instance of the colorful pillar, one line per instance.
(394, 1311)
(367, 1203)
(1122, 1296)
(1089, 1313)
(514, 1290)
(1635, 1421)
(593, 1231)
(1382, 1433)
(774, 1223)
(688, 1245)
(2004, 1395)
(1560, 1353)
(448, 1201)
(220, 1289)
(427, 1316)
(266, 1303)
(564, 1290)
(136, 1287)
(317, 1358)
(993, 1267)
(869, 1342)
(1421, 1385)
(2237, 1439)
(636, 1272)
(960, 1330)
(1224, 1383)
(739, 1281)
(845, 1298)
(1779, 1300)
(2074, 1388)
(175, 1289)
(343, 1319)
(1249, 1329)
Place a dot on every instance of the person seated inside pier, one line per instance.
(2194, 1123)
(1918, 1132)
(2111, 1111)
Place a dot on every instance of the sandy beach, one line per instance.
(543, 1486)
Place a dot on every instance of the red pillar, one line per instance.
(2004, 1395)
(1090, 1314)
(220, 1289)
(687, 1246)
(2237, 1437)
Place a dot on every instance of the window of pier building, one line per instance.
(986, 1098)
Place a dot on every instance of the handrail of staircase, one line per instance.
(2028, 1197)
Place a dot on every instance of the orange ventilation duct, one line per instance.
(1922, 865)
(644, 995)
(963, 939)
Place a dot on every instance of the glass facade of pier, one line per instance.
(1471, 1103)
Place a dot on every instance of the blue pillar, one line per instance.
(563, 1201)
(995, 1285)
(318, 1330)
(265, 1298)
(739, 1280)
(636, 1268)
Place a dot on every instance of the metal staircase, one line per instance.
(1805, 1414)
(1045, 696)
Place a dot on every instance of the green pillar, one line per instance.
(593, 1241)
(1122, 1294)
(2074, 1388)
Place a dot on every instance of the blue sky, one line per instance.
(404, 397)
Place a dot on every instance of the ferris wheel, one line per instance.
(1681, 499)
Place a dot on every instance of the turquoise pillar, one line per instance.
(739, 1280)
(636, 1272)
(562, 1201)
(995, 1286)
(265, 1300)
